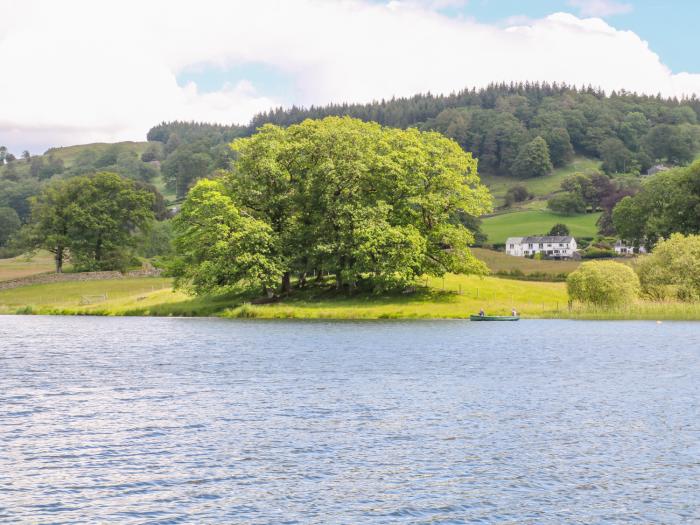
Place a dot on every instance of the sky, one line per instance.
(80, 71)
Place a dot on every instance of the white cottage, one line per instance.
(622, 248)
(553, 246)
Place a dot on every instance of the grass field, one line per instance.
(70, 153)
(455, 297)
(69, 295)
(25, 265)
(500, 262)
(539, 186)
(536, 222)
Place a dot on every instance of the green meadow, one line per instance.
(539, 186)
(536, 222)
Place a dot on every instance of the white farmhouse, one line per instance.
(622, 248)
(553, 246)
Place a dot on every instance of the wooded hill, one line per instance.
(500, 125)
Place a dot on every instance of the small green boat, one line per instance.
(494, 317)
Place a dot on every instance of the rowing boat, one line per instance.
(494, 317)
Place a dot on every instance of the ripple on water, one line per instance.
(211, 421)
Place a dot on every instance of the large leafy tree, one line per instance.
(92, 217)
(533, 160)
(219, 246)
(668, 203)
(9, 224)
(366, 203)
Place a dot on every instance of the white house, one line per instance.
(622, 248)
(553, 246)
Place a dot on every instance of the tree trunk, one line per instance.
(58, 257)
(319, 275)
(338, 280)
(287, 282)
(302, 280)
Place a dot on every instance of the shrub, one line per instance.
(517, 193)
(559, 229)
(567, 204)
(672, 271)
(603, 283)
(598, 253)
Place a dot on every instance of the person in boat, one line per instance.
(482, 313)
(514, 312)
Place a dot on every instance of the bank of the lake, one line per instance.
(454, 297)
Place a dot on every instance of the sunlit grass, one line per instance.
(26, 265)
(455, 297)
(536, 222)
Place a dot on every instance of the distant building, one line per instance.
(622, 248)
(552, 246)
(656, 169)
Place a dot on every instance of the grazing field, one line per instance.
(539, 186)
(501, 262)
(536, 222)
(456, 296)
(94, 295)
(70, 154)
(26, 265)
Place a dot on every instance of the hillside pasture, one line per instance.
(539, 186)
(502, 262)
(26, 265)
(536, 222)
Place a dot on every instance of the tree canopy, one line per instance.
(603, 283)
(371, 205)
(672, 271)
(91, 217)
(669, 202)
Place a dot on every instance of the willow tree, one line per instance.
(371, 205)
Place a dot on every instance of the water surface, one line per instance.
(132, 420)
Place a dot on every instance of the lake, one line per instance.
(145, 420)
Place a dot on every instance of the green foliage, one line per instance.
(533, 160)
(91, 217)
(603, 283)
(598, 253)
(561, 151)
(567, 204)
(517, 193)
(672, 271)
(370, 205)
(156, 241)
(220, 248)
(669, 202)
(184, 167)
(9, 224)
(559, 229)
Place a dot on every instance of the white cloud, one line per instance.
(84, 71)
(601, 8)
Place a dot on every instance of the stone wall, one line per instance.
(46, 278)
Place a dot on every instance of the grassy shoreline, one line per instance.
(454, 297)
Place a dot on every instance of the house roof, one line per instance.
(514, 240)
(549, 239)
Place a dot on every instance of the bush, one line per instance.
(672, 271)
(559, 229)
(517, 193)
(603, 283)
(598, 253)
(567, 204)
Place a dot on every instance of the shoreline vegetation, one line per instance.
(454, 297)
